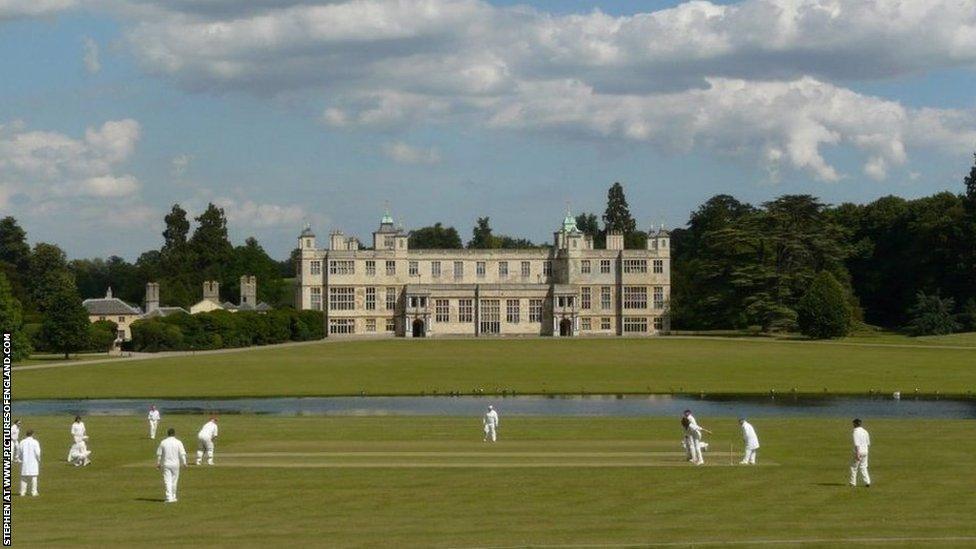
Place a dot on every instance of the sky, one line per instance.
(286, 112)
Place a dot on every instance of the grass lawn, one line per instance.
(48, 358)
(660, 365)
(430, 482)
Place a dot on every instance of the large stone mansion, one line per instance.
(570, 289)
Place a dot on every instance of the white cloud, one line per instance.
(13, 9)
(53, 173)
(90, 56)
(754, 79)
(179, 164)
(404, 153)
(251, 214)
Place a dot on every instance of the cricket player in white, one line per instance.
(30, 468)
(693, 438)
(751, 441)
(491, 424)
(859, 462)
(78, 432)
(15, 440)
(205, 440)
(78, 454)
(169, 457)
(153, 421)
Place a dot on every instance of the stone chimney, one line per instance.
(152, 296)
(615, 240)
(249, 290)
(211, 290)
(108, 293)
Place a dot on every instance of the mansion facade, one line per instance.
(570, 289)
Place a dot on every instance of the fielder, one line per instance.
(491, 425)
(78, 432)
(169, 456)
(862, 442)
(153, 421)
(751, 442)
(15, 440)
(78, 454)
(205, 440)
(30, 468)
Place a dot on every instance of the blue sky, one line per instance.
(287, 112)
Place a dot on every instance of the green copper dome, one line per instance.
(569, 223)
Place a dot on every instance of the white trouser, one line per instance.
(490, 433)
(205, 445)
(862, 466)
(171, 477)
(16, 450)
(32, 479)
(152, 428)
(696, 453)
(749, 457)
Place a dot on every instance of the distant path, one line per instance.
(169, 354)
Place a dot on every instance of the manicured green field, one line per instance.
(431, 482)
(660, 365)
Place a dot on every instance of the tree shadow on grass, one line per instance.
(153, 500)
(830, 484)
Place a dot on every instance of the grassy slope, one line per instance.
(923, 486)
(537, 365)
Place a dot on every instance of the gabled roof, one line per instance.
(108, 306)
(164, 311)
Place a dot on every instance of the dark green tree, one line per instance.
(14, 256)
(48, 272)
(589, 224)
(967, 318)
(824, 311)
(970, 183)
(209, 245)
(102, 335)
(932, 315)
(617, 216)
(481, 238)
(251, 259)
(436, 237)
(12, 322)
(65, 328)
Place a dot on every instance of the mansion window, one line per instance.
(512, 311)
(342, 299)
(316, 301)
(388, 242)
(635, 265)
(343, 267)
(658, 266)
(606, 301)
(458, 269)
(418, 301)
(370, 267)
(635, 325)
(605, 323)
(480, 269)
(435, 269)
(503, 268)
(442, 310)
(315, 268)
(371, 325)
(585, 324)
(371, 299)
(491, 316)
(391, 299)
(526, 269)
(585, 266)
(658, 297)
(414, 269)
(391, 325)
(342, 326)
(635, 297)
(390, 268)
(465, 310)
(658, 323)
(535, 310)
(565, 300)
(604, 266)
(585, 298)
(547, 268)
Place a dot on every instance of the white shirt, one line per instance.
(78, 450)
(209, 431)
(171, 453)
(749, 436)
(862, 440)
(14, 432)
(153, 415)
(693, 429)
(491, 418)
(78, 430)
(30, 451)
